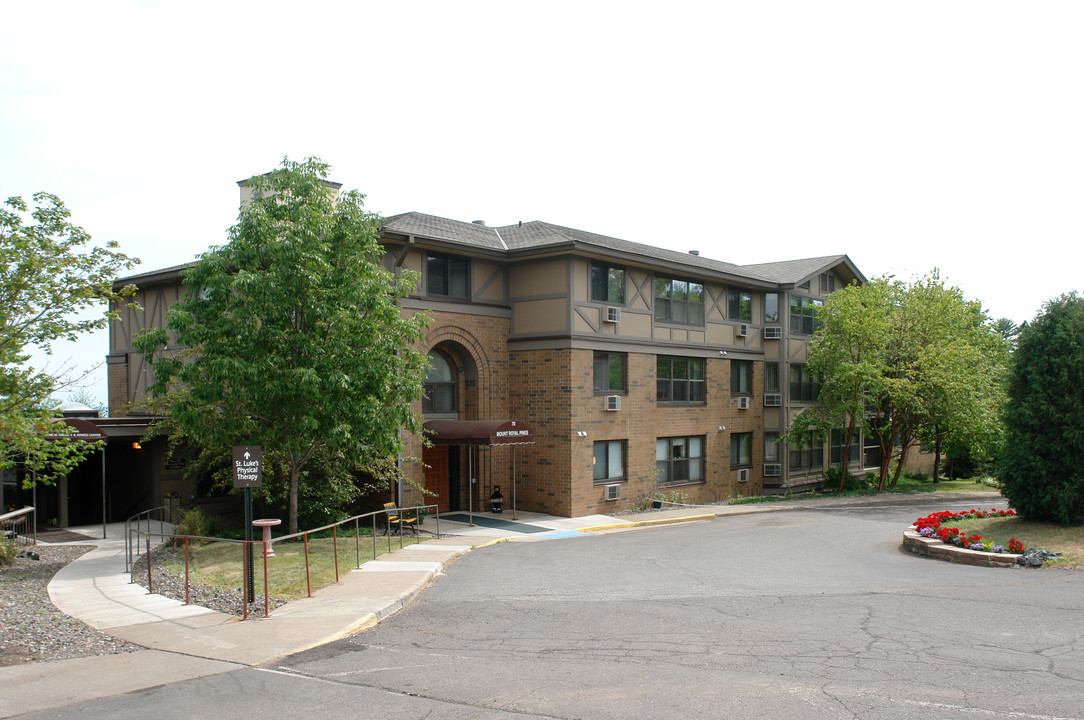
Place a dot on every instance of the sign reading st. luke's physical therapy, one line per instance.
(247, 466)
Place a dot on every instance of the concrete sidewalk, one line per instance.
(185, 642)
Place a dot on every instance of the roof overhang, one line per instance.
(478, 432)
(82, 430)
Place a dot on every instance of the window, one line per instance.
(447, 276)
(771, 307)
(771, 377)
(803, 387)
(441, 385)
(771, 446)
(828, 283)
(741, 449)
(680, 379)
(803, 319)
(740, 305)
(811, 456)
(679, 460)
(609, 372)
(607, 284)
(835, 447)
(741, 376)
(609, 461)
(679, 301)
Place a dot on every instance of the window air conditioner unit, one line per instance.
(613, 314)
(743, 330)
(773, 332)
(613, 402)
(613, 492)
(743, 403)
(773, 470)
(773, 400)
(743, 475)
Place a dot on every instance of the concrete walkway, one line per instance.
(185, 642)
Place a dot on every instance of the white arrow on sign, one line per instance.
(247, 456)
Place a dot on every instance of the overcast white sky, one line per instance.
(908, 135)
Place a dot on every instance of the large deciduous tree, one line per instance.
(51, 282)
(906, 363)
(1041, 472)
(292, 335)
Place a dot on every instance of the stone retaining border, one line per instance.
(936, 549)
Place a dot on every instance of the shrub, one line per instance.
(8, 551)
(1040, 473)
(194, 521)
(851, 483)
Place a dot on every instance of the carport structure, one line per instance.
(475, 434)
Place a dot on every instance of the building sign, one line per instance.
(247, 466)
(81, 430)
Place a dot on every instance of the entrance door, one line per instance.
(437, 476)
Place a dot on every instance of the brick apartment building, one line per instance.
(638, 369)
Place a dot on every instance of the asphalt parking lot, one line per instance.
(811, 614)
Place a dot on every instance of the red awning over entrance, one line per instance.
(478, 432)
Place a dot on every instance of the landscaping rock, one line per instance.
(1034, 557)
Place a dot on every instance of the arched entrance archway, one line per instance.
(451, 393)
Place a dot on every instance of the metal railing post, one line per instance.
(308, 580)
(335, 547)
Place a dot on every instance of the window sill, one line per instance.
(611, 481)
(681, 483)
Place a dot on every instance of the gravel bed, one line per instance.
(32, 629)
(169, 581)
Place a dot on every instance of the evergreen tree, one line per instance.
(1041, 471)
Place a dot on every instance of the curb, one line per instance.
(645, 523)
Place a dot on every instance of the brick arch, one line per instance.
(451, 334)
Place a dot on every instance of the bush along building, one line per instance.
(634, 370)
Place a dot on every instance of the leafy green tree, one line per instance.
(905, 363)
(293, 336)
(1041, 472)
(50, 281)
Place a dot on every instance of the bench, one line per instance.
(398, 520)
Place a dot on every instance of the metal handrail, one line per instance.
(11, 521)
(130, 556)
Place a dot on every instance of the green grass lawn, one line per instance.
(1069, 541)
(220, 564)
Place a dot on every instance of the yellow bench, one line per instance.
(398, 520)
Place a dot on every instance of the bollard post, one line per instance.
(187, 596)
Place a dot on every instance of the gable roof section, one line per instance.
(796, 272)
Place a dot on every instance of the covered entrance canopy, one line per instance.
(479, 433)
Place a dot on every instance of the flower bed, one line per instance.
(930, 527)
(927, 537)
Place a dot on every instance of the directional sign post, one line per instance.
(247, 474)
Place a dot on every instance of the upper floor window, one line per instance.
(803, 386)
(740, 305)
(609, 372)
(679, 301)
(447, 276)
(771, 307)
(771, 377)
(679, 459)
(741, 376)
(680, 379)
(607, 284)
(803, 318)
(828, 283)
(609, 461)
(441, 385)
